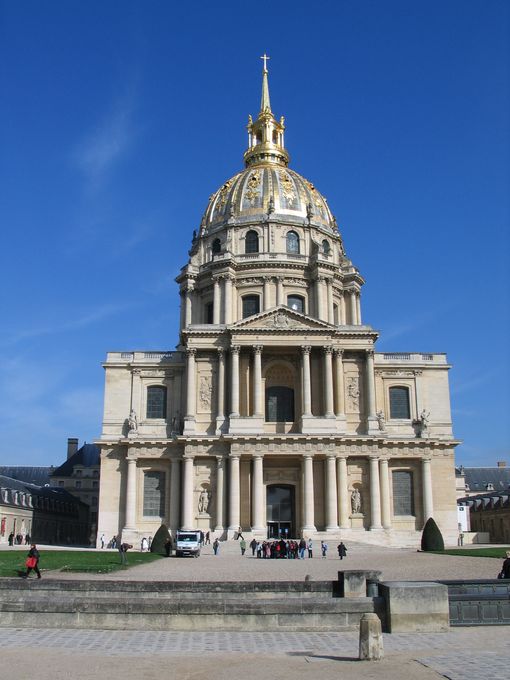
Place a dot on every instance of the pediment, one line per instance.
(281, 319)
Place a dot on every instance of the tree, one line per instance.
(159, 540)
(431, 538)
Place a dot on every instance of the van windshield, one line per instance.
(187, 538)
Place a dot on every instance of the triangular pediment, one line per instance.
(281, 318)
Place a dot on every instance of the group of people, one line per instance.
(19, 539)
(286, 549)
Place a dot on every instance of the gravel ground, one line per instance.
(229, 565)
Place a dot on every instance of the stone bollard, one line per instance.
(370, 638)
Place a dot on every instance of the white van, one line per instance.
(187, 543)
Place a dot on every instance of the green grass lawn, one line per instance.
(499, 553)
(99, 562)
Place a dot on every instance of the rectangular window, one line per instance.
(403, 502)
(78, 485)
(154, 494)
(399, 403)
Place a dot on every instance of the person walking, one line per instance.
(324, 549)
(302, 548)
(310, 548)
(253, 546)
(242, 545)
(102, 541)
(32, 561)
(505, 568)
(144, 545)
(208, 538)
(342, 550)
(216, 546)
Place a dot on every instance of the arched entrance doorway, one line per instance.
(280, 511)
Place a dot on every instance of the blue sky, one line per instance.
(119, 119)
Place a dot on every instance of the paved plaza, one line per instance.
(229, 565)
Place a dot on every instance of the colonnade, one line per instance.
(333, 383)
(226, 502)
(324, 300)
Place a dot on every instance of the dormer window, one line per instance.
(489, 486)
(251, 305)
(326, 248)
(292, 243)
(296, 302)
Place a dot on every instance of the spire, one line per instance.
(265, 104)
(266, 134)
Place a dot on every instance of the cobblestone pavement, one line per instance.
(459, 654)
(395, 564)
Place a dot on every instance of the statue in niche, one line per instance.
(381, 420)
(356, 501)
(353, 393)
(423, 423)
(205, 391)
(132, 423)
(203, 501)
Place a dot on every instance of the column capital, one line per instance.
(370, 353)
(132, 457)
(233, 456)
(280, 279)
(257, 349)
(257, 455)
(188, 456)
(220, 351)
(267, 279)
(374, 457)
(307, 455)
(306, 349)
(331, 455)
(235, 349)
(220, 460)
(339, 352)
(190, 351)
(327, 349)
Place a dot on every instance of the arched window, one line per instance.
(156, 402)
(326, 248)
(209, 312)
(296, 302)
(292, 242)
(252, 242)
(216, 246)
(399, 403)
(403, 500)
(279, 404)
(251, 305)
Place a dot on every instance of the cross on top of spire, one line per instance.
(265, 59)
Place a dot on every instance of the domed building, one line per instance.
(275, 414)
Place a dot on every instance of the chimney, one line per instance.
(72, 446)
(501, 463)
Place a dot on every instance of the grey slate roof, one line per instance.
(46, 491)
(33, 475)
(87, 455)
(477, 478)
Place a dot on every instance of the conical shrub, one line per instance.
(159, 540)
(431, 538)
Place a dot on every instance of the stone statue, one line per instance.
(423, 421)
(356, 501)
(381, 420)
(203, 501)
(132, 421)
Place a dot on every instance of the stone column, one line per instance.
(341, 309)
(234, 388)
(340, 382)
(220, 405)
(258, 493)
(189, 310)
(319, 297)
(331, 494)
(331, 313)
(428, 502)
(353, 308)
(191, 399)
(257, 380)
(234, 496)
(343, 493)
(372, 424)
(308, 504)
(279, 290)
(266, 301)
(216, 302)
(131, 494)
(307, 391)
(358, 308)
(188, 521)
(175, 493)
(375, 496)
(385, 493)
(328, 382)
(227, 298)
(220, 493)
(182, 294)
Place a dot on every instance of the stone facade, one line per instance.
(275, 414)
